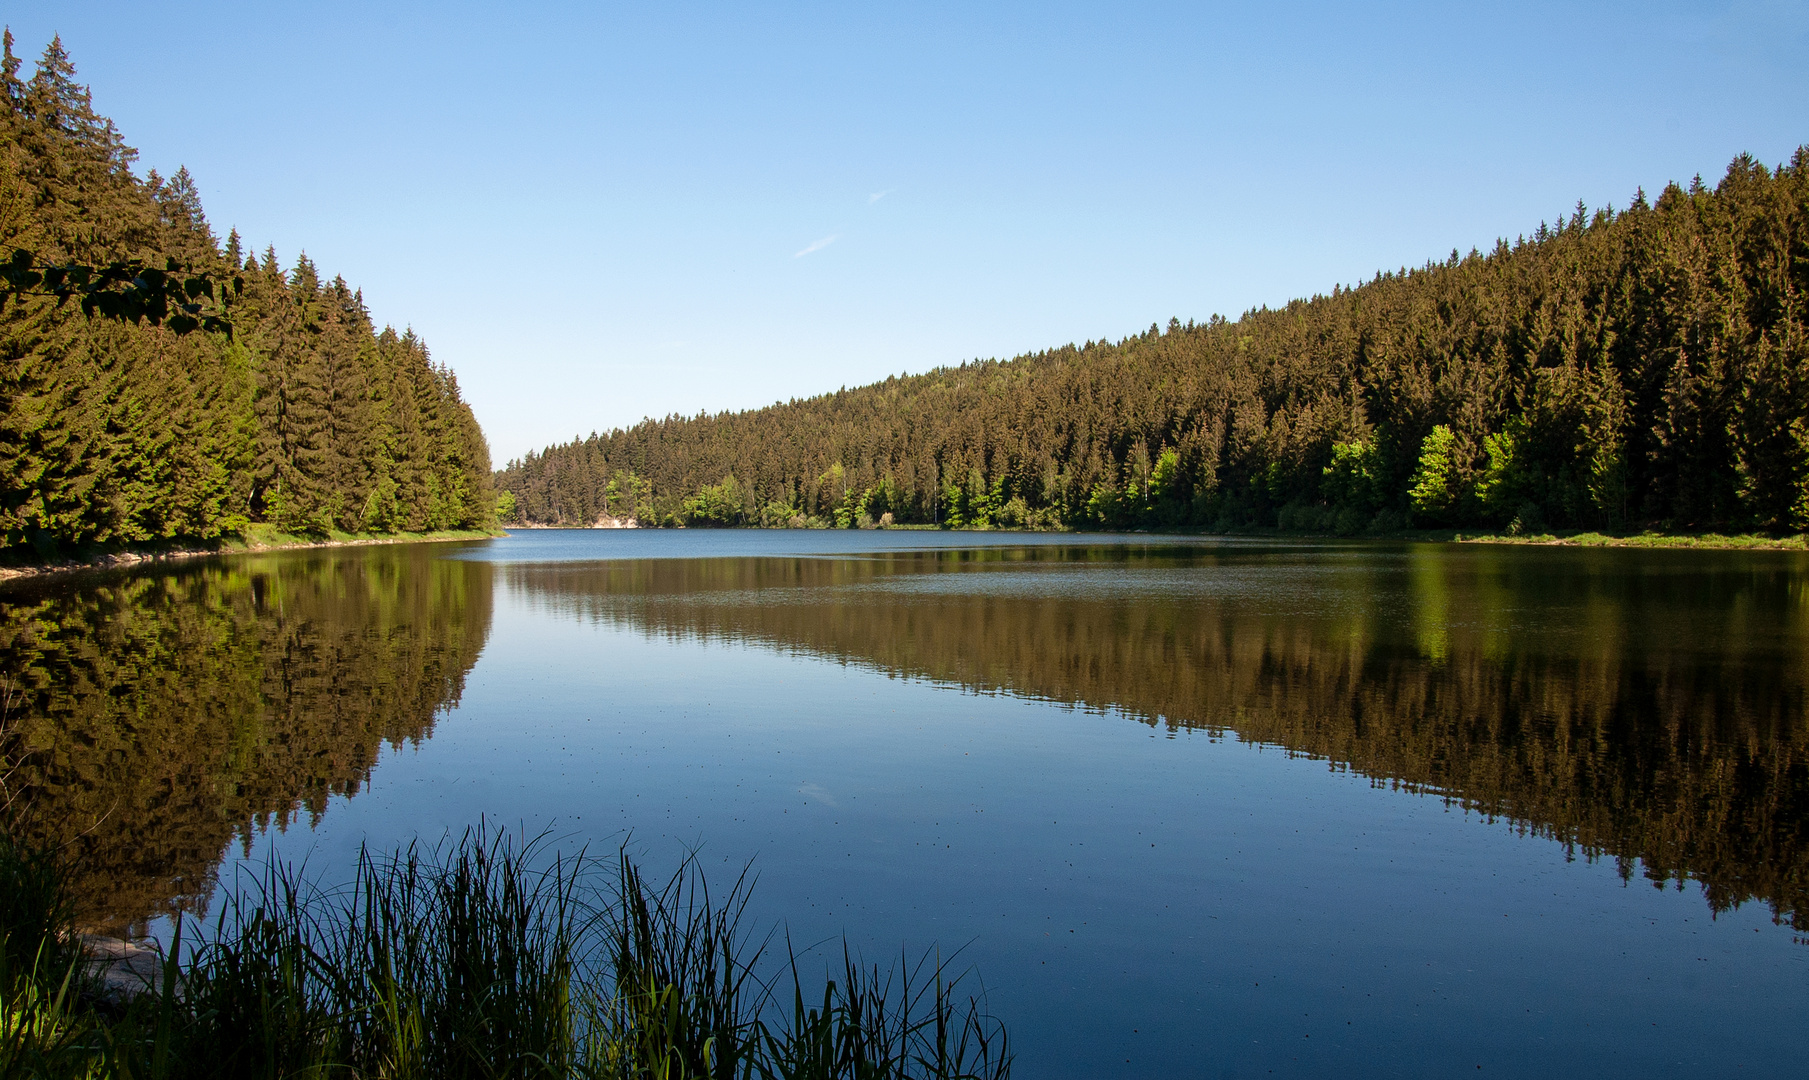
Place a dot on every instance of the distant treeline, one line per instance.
(115, 433)
(1632, 367)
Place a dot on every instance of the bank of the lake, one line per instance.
(1708, 541)
(254, 539)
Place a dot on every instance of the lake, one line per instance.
(1214, 808)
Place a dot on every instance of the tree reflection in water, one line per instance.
(1643, 706)
(165, 714)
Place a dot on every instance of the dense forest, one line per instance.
(1438, 675)
(300, 412)
(1624, 368)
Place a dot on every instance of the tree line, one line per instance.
(1621, 368)
(281, 403)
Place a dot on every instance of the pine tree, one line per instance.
(118, 433)
(1614, 369)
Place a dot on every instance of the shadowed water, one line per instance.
(1202, 808)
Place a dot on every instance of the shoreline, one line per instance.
(266, 539)
(1649, 541)
(1706, 541)
(259, 539)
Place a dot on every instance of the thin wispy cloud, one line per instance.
(817, 792)
(817, 245)
(878, 195)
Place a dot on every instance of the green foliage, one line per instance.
(34, 908)
(954, 506)
(125, 290)
(683, 1001)
(718, 505)
(882, 499)
(1356, 477)
(43, 1031)
(874, 1023)
(1503, 482)
(1435, 488)
(1167, 486)
(974, 505)
(1510, 486)
(780, 515)
(1105, 507)
(129, 415)
(456, 962)
(1649, 363)
(480, 959)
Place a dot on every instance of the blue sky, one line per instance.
(596, 213)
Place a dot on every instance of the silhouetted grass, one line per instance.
(479, 958)
(873, 1022)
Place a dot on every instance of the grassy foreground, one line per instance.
(480, 958)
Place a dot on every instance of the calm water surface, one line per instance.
(1193, 808)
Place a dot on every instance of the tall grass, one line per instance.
(682, 1000)
(481, 958)
(42, 974)
(874, 1023)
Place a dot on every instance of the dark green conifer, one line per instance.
(1619, 368)
(114, 432)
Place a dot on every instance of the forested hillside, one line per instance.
(1645, 366)
(114, 432)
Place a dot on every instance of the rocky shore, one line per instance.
(122, 969)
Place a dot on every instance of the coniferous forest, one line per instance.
(298, 412)
(1623, 368)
